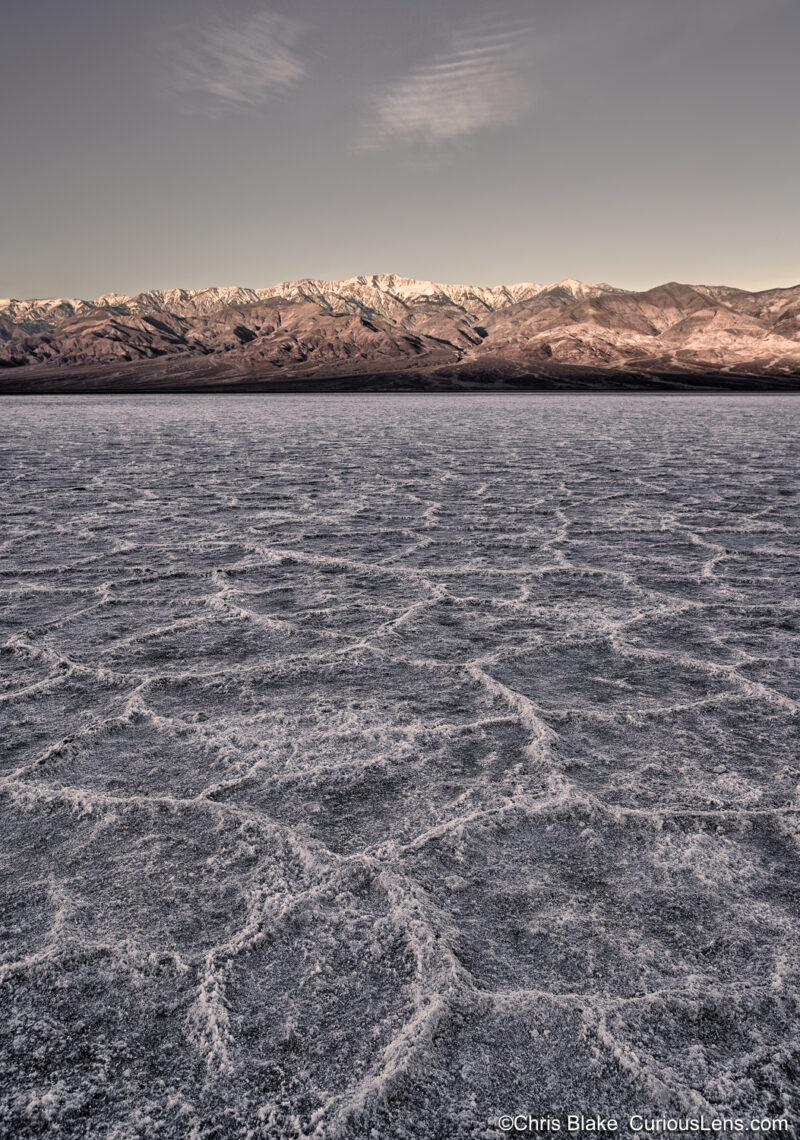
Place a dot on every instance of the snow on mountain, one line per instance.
(385, 322)
(36, 315)
(379, 292)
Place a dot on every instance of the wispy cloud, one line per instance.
(481, 80)
(218, 66)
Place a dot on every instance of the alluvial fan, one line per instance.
(374, 767)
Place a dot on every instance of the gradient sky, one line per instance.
(183, 143)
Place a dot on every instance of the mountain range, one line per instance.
(386, 331)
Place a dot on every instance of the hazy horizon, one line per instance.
(192, 145)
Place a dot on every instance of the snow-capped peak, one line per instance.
(381, 292)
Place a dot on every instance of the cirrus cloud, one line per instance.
(481, 80)
(218, 67)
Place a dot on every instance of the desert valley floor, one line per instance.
(374, 766)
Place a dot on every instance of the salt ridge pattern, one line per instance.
(374, 766)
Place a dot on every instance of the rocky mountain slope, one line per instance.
(389, 326)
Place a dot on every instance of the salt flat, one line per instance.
(375, 766)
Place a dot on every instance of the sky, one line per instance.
(189, 143)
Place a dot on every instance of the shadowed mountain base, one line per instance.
(192, 376)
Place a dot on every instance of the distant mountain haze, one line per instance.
(390, 327)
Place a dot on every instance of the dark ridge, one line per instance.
(161, 376)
